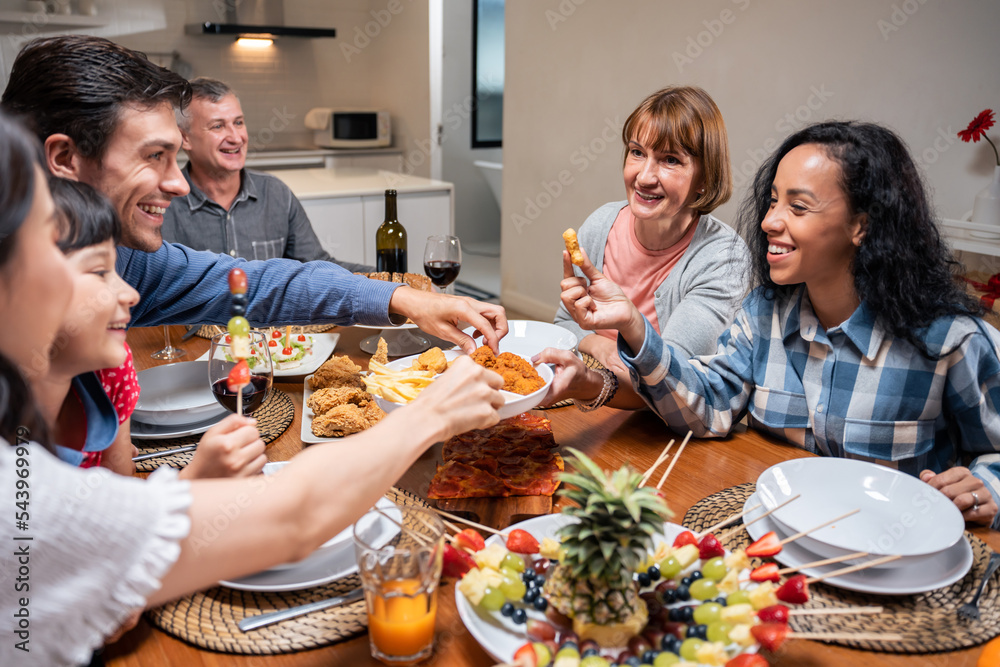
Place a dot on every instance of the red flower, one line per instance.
(977, 128)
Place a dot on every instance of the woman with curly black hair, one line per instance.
(856, 341)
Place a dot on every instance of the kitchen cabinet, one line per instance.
(347, 204)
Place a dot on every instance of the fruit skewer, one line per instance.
(725, 522)
(770, 571)
(656, 464)
(779, 613)
(733, 531)
(469, 522)
(769, 544)
(796, 589)
(673, 461)
(772, 635)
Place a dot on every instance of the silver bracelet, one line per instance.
(608, 392)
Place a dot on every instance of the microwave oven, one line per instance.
(350, 128)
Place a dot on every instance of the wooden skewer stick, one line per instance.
(820, 563)
(815, 528)
(452, 526)
(673, 461)
(471, 523)
(423, 539)
(834, 611)
(726, 522)
(854, 568)
(733, 531)
(860, 636)
(656, 464)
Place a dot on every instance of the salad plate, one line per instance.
(323, 346)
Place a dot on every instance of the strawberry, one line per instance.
(776, 613)
(455, 562)
(766, 572)
(748, 660)
(710, 547)
(526, 656)
(469, 539)
(685, 538)
(239, 376)
(795, 590)
(770, 635)
(522, 542)
(767, 545)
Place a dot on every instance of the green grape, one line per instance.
(513, 561)
(513, 588)
(665, 659)
(594, 661)
(670, 567)
(703, 589)
(689, 648)
(510, 572)
(737, 597)
(492, 600)
(709, 612)
(238, 327)
(719, 631)
(714, 569)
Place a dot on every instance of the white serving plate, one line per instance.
(905, 577)
(333, 560)
(515, 403)
(142, 431)
(305, 431)
(500, 636)
(529, 337)
(323, 346)
(176, 394)
(899, 514)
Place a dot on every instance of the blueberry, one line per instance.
(530, 595)
(507, 609)
(241, 299)
(569, 643)
(682, 593)
(674, 615)
(701, 632)
(541, 604)
(589, 651)
(653, 572)
(644, 580)
(236, 310)
(692, 631)
(539, 580)
(721, 600)
(669, 597)
(670, 643)
(633, 661)
(648, 657)
(519, 616)
(528, 577)
(696, 575)
(687, 614)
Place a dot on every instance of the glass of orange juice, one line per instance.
(400, 577)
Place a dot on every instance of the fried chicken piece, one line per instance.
(381, 352)
(324, 400)
(337, 372)
(431, 360)
(519, 376)
(346, 419)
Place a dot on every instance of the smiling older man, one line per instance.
(232, 209)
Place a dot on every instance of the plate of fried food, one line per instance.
(336, 402)
(398, 382)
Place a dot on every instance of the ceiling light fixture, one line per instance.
(254, 42)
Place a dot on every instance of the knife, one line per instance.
(192, 330)
(254, 622)
(166, 452)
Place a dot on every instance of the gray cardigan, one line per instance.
(699, 299)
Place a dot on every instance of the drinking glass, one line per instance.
(442, 261)
(400, 578)
(169, 351)
(220, 362)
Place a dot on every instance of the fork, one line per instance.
(970, 610)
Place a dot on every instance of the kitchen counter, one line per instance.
(353, 182)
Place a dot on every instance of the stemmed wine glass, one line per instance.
(169, 351)
(442, 261)
(220, 362)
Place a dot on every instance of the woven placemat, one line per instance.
(209, 619)
(211, 330)
(273, 417)
(928, 622)
(591, 362)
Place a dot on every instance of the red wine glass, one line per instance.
(220, 362)
(442, 261)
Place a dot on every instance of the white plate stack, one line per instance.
(898, 515)
(175, 400)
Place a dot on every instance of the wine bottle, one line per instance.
(390, 240)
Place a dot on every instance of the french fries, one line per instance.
(400, 386)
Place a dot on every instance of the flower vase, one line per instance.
(987, 207)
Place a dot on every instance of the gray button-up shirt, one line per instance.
(264, 221)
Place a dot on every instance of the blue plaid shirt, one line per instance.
(178, 285)
(852, 391)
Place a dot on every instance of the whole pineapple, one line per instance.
(593, 582)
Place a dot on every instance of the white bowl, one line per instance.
(899, 514)
(529, 337)
(176, 394)
(515, 403)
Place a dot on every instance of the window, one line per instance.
(487, 73)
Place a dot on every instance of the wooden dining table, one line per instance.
(611, 437)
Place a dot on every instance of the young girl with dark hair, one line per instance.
(856, 342)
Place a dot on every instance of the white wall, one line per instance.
(477, 213)
(575, 69)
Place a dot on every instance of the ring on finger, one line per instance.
(975, 501)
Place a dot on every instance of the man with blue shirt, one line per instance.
(105, 115)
